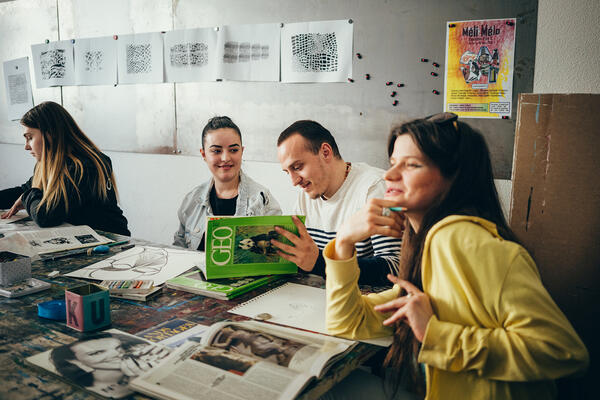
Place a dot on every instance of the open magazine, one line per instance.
(241, 246)
(48, 240)
(243, 360)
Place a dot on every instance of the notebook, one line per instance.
(295, 305)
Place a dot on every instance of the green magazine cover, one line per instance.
(225, 288)
(241, 246)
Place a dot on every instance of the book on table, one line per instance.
(224, 288)
(246, 360)
(241, 246)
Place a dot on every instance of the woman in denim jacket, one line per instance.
(228, 192)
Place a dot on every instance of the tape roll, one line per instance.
(53, 309)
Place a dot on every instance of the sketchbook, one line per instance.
(243, 360)
(142, 263)
(295, 305)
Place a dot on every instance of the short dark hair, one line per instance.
(314, 133)
(217, 123)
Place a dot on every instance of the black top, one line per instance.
(219, 207)
(87, 208)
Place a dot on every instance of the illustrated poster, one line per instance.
(479, 67)
(18, 87)
(53, 63)
(316, 51)
(249, 52)
(190, 55)
(96, 61)
(140, 58)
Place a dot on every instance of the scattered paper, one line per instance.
(190, 55)
(96, 61)
(53, 64)
(18, 87)
(140, 58)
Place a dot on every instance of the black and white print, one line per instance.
(17, 88)
(235, 52)
(53, 63)
(94, 60)
(189, 54)
(314, 52)
(139, 58)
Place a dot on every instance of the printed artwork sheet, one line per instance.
(299, 306)
(142, 262)
(190, 55)
(17, 82)
(316, 51)
(140, 58)
(249, 52)
(479, 67)
(53, 64)
(95, 61)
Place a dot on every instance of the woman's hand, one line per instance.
(414, 308)
(367, 222)
(18, 205)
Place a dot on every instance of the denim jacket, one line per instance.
(253, 199)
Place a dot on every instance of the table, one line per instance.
(23, 333)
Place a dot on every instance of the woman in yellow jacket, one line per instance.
(470, 309)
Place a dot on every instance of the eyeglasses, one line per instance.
(443, 118)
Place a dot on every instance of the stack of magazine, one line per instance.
(224, 289)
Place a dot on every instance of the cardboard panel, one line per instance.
(555, 205)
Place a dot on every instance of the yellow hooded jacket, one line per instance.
(496, 333)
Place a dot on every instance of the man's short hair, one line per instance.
(314, 133)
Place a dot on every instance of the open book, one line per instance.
(241, 246)
(243, 360)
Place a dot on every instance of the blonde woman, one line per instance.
(72, 182)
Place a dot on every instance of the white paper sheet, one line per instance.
(18, 88)
(95, 61)
(249, 52)
(190, 55)
(295, 305)
(316, 51)
(142, 262)
(53, 64)
(140, 58)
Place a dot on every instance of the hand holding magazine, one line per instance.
(245, 360)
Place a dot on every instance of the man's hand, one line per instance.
(18, 205)
(304, 252)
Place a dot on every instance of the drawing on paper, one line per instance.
(189, 54)
(84, 239)
(148, 262)
(35, 243)
(58, 241)
(235, 52)
(93, 60)
(17, 87)
(53, 63)
(139, 58)
(314, 52)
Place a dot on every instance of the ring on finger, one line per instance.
(408, 295)
(386, 212)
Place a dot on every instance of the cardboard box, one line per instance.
(14, 268)
(555, 204)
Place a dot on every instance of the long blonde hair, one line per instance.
(63, 140)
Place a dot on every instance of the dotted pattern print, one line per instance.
(93, 60)
(17, 87)
(189, 54)
(244, 52)
(314, 52)
(139, 58)
(52, 63)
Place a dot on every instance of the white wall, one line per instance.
(567, 58)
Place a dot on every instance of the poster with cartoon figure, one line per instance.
(479, 67)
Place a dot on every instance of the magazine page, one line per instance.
(49, 240)
(238, 247)
(301, 351)
(195, 371)
(174, 332)
(102, 363)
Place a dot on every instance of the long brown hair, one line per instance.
(63, 140)
(463, 158)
